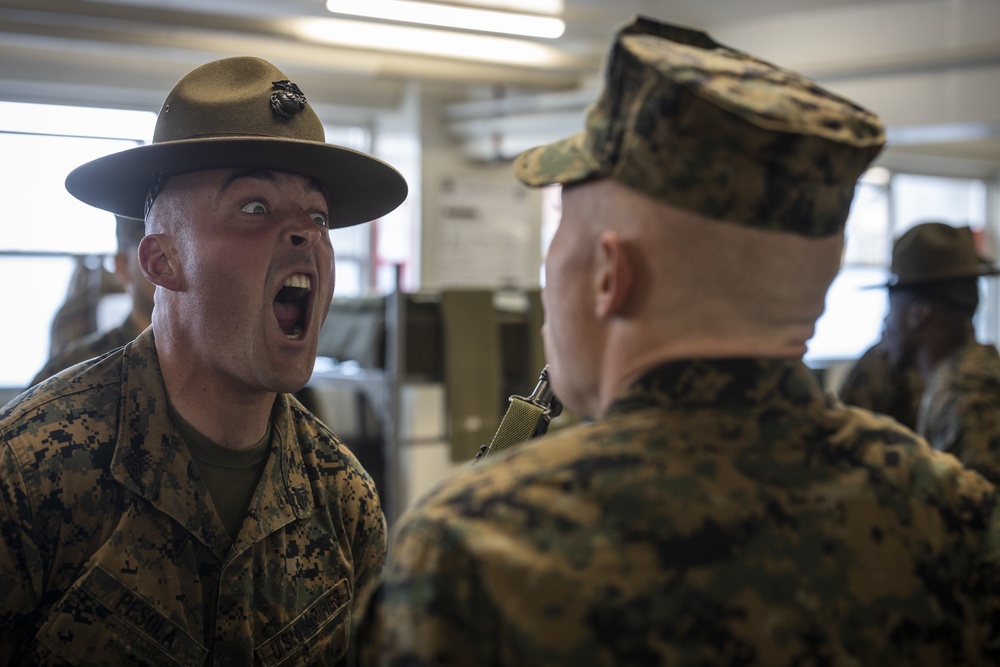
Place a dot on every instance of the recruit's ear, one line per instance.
(159, 263)
(614, 275)
(918, 314)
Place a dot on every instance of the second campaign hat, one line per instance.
(240, 112)
(716, 131)
(934, 252)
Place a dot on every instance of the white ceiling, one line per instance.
(930, 67)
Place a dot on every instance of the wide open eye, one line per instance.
(256, 207)
(321, 219)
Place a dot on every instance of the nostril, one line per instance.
(299, 240)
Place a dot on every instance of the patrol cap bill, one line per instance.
(240, 112)
(716, 131)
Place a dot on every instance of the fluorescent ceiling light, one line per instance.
(425, 41)
(450, 16)
(551, 7)
(941, 133)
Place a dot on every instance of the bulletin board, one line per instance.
(485, 231)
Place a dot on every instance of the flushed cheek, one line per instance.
(329, 282)
(237, 304)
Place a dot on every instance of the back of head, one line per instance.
(710, 281)
(765, 283)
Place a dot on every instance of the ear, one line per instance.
(159, 263)
(919, 314)
(614, 277)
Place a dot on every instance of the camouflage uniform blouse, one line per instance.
(720, 513)
(874, 385)
(960, 410)
(111, 552)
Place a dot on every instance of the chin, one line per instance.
(289, 383)
(288, 388)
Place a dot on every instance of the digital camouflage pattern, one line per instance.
(873, 384)
(716, 131)
(960, 409)
(88, 347)
(720, 513)
(112, 552)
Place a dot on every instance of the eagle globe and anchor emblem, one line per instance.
(287, 101)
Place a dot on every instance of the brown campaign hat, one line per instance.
(934, 252)
(716, 131)
(240, 113)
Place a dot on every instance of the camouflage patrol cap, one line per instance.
(716, 131)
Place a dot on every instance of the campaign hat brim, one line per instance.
(936, 277)
(359, 187)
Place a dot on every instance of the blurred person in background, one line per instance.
(874, 384)
(128, 232)
(933, 297)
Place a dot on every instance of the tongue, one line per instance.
(287, 315)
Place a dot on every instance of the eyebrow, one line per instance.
(264, 175)
(243, 174)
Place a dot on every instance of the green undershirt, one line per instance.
(231, 475)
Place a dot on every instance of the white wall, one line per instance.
(444, 160)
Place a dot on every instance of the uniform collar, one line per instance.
(735, 383)
(151, 460)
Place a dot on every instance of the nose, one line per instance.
(303, 230)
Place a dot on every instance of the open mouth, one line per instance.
(291, 305)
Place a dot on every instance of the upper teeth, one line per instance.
(298, 280)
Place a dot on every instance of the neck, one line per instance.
(225, 414)
(633, 351)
